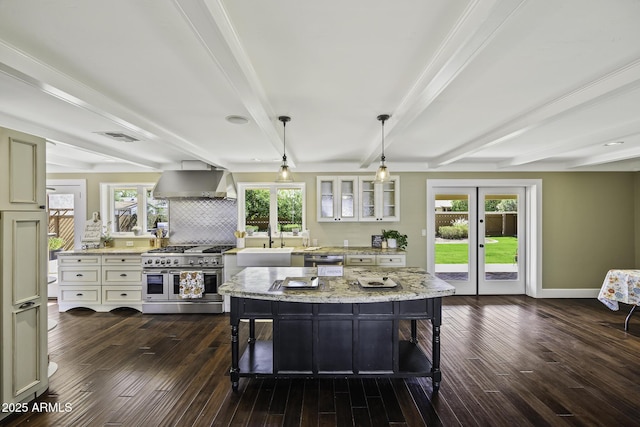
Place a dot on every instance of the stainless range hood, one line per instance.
(195, 184)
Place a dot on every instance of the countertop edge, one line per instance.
(335, 250)
(415, 283)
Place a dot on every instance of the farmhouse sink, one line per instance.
(264, 257)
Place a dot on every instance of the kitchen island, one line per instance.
(337, 329)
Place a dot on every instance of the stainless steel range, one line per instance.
(161, 270)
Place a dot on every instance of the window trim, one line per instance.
(273, 207)
(107, 203)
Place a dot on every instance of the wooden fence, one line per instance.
(61, 223)
(497, 223)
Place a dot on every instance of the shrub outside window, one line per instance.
(262, 204)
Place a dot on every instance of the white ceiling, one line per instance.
(485, 85)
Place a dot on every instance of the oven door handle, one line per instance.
(154, 272)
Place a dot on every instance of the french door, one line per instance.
(476, 238)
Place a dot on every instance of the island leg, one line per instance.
(252, 331)
(436, 322)
(234, 372)
(414, 331)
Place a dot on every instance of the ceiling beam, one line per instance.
(611, 134)
(53, 82)
(211, 25)
(605, 87)
(58, 137)
(474, 30)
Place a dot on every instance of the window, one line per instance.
(128, 205)
(281, 205)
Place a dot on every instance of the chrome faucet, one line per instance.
(281, 239)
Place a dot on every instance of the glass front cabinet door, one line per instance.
(379, 201)
(337, 198)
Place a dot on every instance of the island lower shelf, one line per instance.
(257, 361)
(335, 340)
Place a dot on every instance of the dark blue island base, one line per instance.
(333, 340)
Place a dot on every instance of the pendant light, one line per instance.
(284, 174)
(382, 174)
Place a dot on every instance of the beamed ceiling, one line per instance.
(486, 85)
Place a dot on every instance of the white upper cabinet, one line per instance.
(337, 198)
(379, 201)
(22, 171)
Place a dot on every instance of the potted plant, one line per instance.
(55, 246)
(251, 229)
(395, 239)
(106, 238)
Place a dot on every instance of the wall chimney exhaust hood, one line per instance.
(195, 184)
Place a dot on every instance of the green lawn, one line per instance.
(502, 252)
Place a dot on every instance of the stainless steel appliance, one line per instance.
(311, 260)
(161, 270)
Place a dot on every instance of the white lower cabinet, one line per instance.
(101, 282)
(391, 260)
(356, 260)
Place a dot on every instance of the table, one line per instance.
(621, 286)
(338, 330)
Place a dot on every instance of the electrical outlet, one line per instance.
(129, 243)
(424, 232)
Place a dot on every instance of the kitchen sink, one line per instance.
(264, 257)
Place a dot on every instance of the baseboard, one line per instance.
(567, 293)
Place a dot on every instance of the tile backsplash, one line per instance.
(202, 221)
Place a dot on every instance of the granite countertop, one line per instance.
(413, 283)
(108, 251)
(335, 250)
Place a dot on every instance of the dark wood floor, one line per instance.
(506, 361)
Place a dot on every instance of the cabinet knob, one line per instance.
(122, 260)
(123, 295)
(123, 275)
(79, 260)
(26, 305)
(79, 295)
(79, 275)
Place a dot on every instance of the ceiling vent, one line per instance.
(118, 136)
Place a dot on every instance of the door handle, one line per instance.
(26, 305)
(481, 245)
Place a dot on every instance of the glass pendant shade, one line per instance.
(382, 174)
(284, 174)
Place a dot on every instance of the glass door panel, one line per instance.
(327, 200)
(347, 199)
(501, 242)
(454, 238)
(389, 199)
(368, 201)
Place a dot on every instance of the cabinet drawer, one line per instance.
(122, 276)
(391, 260)
(121, 260)
(87, 294)
(78, 260)
(119, 294)
(80, 275)
(361, 260)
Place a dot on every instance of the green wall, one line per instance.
(588, 218)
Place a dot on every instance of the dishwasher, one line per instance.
(317, 260)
